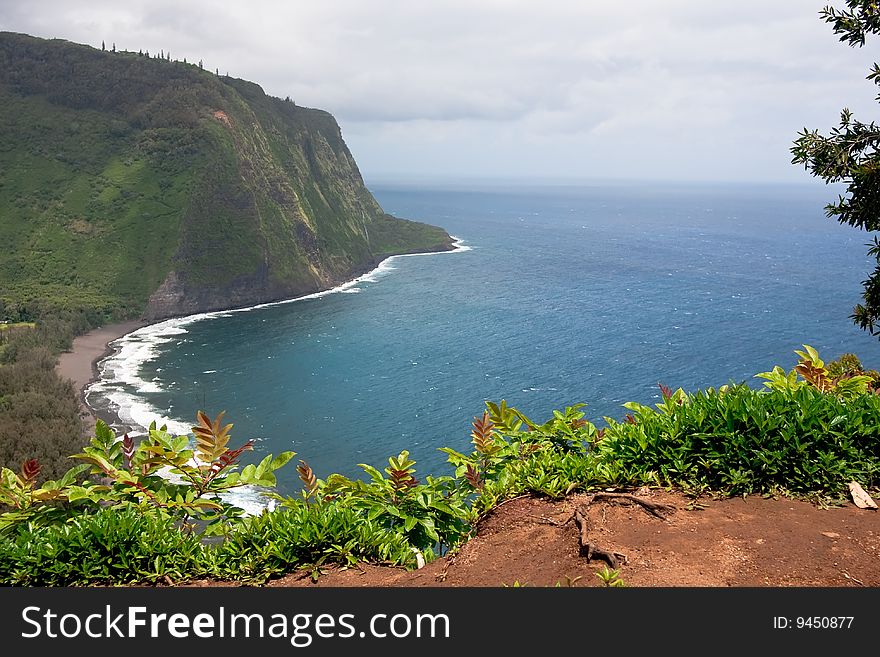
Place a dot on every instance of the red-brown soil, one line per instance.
(732, 542)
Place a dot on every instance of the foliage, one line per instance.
(160, 472)
(843, 378)
(302, 535)
(849, 154)
(569, 581)
(118, 169)
(512, 454)
(109, 546)
(849, 365)
(743, 441)
(389, 235)
(39, 411)
(428, 515)
(610, 578)
(805, 433)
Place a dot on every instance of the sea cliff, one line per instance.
(146, 187)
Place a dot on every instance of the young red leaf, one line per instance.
(30, 470)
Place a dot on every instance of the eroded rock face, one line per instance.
(175, 298)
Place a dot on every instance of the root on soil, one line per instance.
(589, 549)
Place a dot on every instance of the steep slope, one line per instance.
(137, 185)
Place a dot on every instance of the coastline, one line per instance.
(80, 366)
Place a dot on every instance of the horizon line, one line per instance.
(572, 181)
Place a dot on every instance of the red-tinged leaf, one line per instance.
(600, 434)
(307, 476)
(482, 435)
(401, 479)
(230, 457)
(473, 477)
(525, 449)
(629, 418)
(211, 438)
(203, 420)
(815, 376)
(666, 391)
(30, 470)
(128, 450)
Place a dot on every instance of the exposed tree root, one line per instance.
(589, 549)
(654, 508)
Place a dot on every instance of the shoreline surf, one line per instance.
(114, 354)
(80, 365)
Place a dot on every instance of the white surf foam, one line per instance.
(120, 385)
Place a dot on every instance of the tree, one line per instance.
(103, 46)
(849, 154)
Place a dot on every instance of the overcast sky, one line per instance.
(557, 89)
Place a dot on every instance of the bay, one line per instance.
(588, 293)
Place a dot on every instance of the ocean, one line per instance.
(557, 295)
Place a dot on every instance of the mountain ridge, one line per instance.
(142, 186)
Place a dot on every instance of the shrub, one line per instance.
(741, 441)
(807, 433)
(307, 535)
(112, 546)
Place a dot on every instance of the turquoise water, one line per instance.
(567, 294)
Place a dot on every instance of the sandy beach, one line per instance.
(80, 364)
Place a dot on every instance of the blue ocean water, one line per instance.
(567, 294)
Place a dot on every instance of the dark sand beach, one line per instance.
(80, 365)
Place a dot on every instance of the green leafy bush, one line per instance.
(743, 441)
(112, 546)
(428, 515)
(806, 433)
(123, 472)
(844, 377)
(306, 535)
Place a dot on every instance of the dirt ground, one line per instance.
(734, 542)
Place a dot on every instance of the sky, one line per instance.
(558, 90)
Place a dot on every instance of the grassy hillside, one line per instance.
(135, 185)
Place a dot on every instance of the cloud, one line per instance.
(674, 85)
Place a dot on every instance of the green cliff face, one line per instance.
(142, 186)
